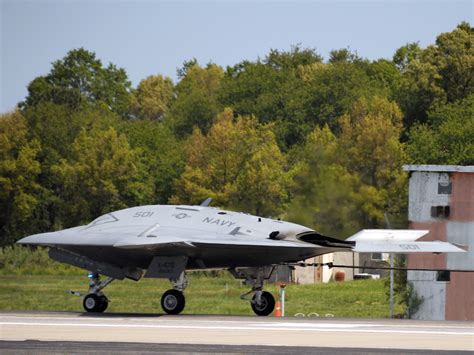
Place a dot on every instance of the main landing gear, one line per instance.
(173, 301)
(266, 304)
(262, 302)
(95, 300)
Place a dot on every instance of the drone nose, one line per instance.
(40, 239)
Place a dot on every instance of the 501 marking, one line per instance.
(143, 214)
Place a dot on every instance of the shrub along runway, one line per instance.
(235, 331)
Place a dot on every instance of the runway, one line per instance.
(228, 332)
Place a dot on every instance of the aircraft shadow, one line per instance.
(155, 315)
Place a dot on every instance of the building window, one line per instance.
(445, 185)
(440, 211)
(443, 275)
(379, 256)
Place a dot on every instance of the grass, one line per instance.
(29, 280)
(204, 295)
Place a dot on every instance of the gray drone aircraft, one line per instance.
(164, 241)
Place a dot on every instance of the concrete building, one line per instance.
(312, 274)
(318, 274)
(441, 200)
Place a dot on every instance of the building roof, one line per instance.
(440, 168)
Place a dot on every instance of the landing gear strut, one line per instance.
(262, 302)
(173, 301)
(95, 300)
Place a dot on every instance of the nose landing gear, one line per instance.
(95, 301)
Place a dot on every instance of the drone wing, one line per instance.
(398, 241)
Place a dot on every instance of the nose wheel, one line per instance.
(95, 303)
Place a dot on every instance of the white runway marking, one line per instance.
(318, 323)
(260, 326)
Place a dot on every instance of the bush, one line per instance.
(19, 260)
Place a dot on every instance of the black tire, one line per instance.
(173, 302)
(104, 303)
(92, 303)
(267, 304)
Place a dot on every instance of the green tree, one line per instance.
(343, 55)
(323, 193)
(385, 73)
(442, 73)
(370, 141)
(331, 90)
(57, 127)
(153, 97)
(80, 79)
(292, 59)
(453, 55)
(346, 183)
(299, 92)
(447, 137)
(254, 89)
(262, 183)
(196, 103)
(163, 155)
(104, 174)
(406, 55)
(269, 90)
(19, 170)
(238, 163)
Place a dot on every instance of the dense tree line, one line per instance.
(290, 135)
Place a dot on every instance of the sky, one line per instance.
(156, 37)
